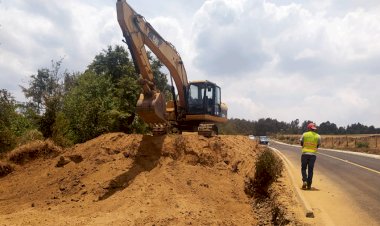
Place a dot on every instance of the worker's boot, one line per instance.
(308, 186)
(304, 185)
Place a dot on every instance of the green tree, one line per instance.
(327, 128)
(102, 99)
(7, 114)
(160, 78)
(44, 84)
(88, 107)
(7, 107)
(45, 94)
(113, 62)
(116, 64)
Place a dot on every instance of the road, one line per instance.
(346, 187)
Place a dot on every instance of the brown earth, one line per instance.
(120, 179)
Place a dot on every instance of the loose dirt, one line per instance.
(120, 179)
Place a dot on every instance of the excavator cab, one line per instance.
(204, 98)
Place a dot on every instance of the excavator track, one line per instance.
(159, 129)
(207, 130)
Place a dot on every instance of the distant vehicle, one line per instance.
(251, 137)
(263, 140)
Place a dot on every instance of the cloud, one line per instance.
(34, 33)
(283, 59)
(232, 39)
(223, 44)
(288, 59)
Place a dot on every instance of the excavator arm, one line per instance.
(138, 33)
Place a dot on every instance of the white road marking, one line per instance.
(352, 163)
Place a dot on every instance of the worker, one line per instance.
(310, 142)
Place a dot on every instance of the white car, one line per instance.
(251, 137)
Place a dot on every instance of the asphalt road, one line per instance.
(356, 175)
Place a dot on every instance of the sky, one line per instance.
(283, 59)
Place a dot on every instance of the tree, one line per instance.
(294, 127)
(7, 107)
(88, 107)
(45, 94)
(44, 84)
(327, 128)
(160, 78)
(7, 114)
(114, 62)
(13, 124)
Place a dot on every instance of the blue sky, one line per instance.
(283, 59)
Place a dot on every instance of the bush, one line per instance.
(362, 145)
(30, 135)
(7, 139)
(268, 168)
(61, 131)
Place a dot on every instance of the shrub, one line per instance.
(61, 131)
(7, 139)
(34, 150)
(362, 145)
(268, 168)
(30, 135)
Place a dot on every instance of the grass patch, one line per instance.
(362, 145)
(34, 150)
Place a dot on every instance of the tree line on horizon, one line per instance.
(72, 108)
(268, 126)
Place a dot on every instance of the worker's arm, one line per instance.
(301, 140)
(319, 141)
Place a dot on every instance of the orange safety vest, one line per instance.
(310, 142)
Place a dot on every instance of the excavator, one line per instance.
(197, 107)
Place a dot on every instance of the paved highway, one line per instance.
(358, 177)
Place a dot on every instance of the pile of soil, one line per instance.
(120, 179)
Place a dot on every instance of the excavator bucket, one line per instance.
(152, 109)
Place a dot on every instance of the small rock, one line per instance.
(61, 162)
(33, 205)
(76, 158)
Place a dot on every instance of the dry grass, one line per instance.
(360, 143)
(5, 169)
(34, 150)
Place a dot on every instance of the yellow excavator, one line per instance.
(198, 105)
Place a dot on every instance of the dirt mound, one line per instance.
(34, 150)
(124, 179)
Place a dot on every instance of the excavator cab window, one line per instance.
(204, 98)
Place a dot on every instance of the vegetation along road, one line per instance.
(345, 188)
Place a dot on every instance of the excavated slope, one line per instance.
(120, 179)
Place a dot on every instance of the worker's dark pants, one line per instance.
(307, 161)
